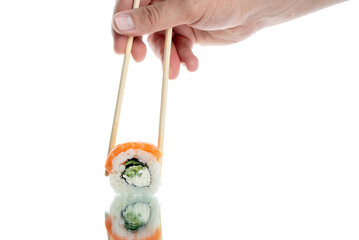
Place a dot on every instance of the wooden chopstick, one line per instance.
(166, 71)
(121, 89)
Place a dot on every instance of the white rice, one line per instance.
(121, 186)
(120, 203)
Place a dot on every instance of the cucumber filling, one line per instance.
(137, 173)
(136, 216)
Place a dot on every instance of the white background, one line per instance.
(261, 143)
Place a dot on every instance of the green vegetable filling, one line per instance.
(133, 221)
(136, 216)
(133, 168)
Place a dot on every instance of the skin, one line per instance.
(204, 22)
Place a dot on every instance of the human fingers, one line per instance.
(120, 41)
(156, 42)
(138, 49)
(151, 18)
(185, 54)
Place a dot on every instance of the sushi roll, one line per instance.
(134, 217)
(134, 167)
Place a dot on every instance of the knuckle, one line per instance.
(151, 15)
(192, 10)
(188, 9)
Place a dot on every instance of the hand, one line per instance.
(206, 22)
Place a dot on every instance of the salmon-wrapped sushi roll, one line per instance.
(134, 217)
(134, 167)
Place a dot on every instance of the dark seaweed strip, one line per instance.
(133, 162)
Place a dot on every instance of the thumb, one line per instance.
(150, 19)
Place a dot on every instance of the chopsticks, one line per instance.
(166, 71)
(165, 77)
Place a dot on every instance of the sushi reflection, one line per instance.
(134, 217)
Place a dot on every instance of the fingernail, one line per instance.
(124, 22)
